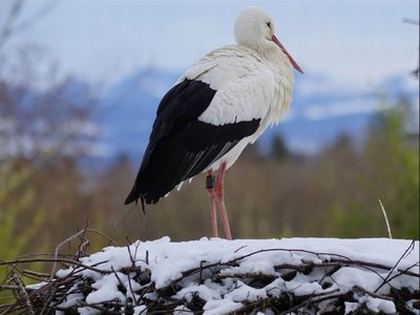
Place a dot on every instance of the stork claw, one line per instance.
(215, 188)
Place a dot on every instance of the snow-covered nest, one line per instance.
(216, 276)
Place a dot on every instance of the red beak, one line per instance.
(292, 61)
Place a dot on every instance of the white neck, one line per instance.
(282, 70)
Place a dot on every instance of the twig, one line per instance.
(372, 294)
(388, 227)
(119, 280)
(375, 265)
(67, 240)
(405, 254)
(112, 241)
(38, 275)
(242, 247)
(403, 272)
(133, 265)
(22, 289)
(72, 237)
(53, 260)
(8, 287)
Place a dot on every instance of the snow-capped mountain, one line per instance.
(322, 109)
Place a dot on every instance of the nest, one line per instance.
(306, 286)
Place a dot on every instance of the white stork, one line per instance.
(214, 110)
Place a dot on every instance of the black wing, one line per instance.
(181, 146)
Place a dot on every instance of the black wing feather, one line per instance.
(181, 146)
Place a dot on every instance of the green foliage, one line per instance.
(15, 199)
(396, 166)
(390, 163)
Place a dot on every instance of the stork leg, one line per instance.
(220, 193)
(210, 180)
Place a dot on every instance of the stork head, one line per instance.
(254, 28)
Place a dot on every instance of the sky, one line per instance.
(355, 42)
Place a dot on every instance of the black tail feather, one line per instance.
(185, 154)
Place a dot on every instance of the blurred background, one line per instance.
(80, 81)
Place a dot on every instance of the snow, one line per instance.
(206, 269)
(139, 309)
(349, 277)
(106, 290)
(245, 292)
(72, 298)
(216, 307)
(378, 305)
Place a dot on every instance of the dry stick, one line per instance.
(49, 299)
(354, 263)
(403, 272)
(398, 275)
(307, 301)
(54, 260)
(67, 240)
(132, 259)
(310, 298)
(133, 265)
(405, 254)
(5, 307)
(378, 266)
(11, 278)
(372, 294)
(82, 247)
(200, 281)
(82, 243)
(12, 274)
(242, 247)
(119, 279)
(39, 275)
(8, 287)
(38, 293)
(17, 270)
(386, 218)
(321, 299)
(144, 291)
(18, 281)
(103, 235)
(67, 293)
(250, 275)
(137, 248)
(41, 254)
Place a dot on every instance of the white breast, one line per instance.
(248, 86)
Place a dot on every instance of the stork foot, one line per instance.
(220, 193)
(215, 189)
(210, 182)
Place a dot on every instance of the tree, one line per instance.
(279, 150)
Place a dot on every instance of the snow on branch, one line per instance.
(287, 276)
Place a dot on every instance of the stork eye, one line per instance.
(268, 24)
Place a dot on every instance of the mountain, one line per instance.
(321, 110)
(127, 110)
